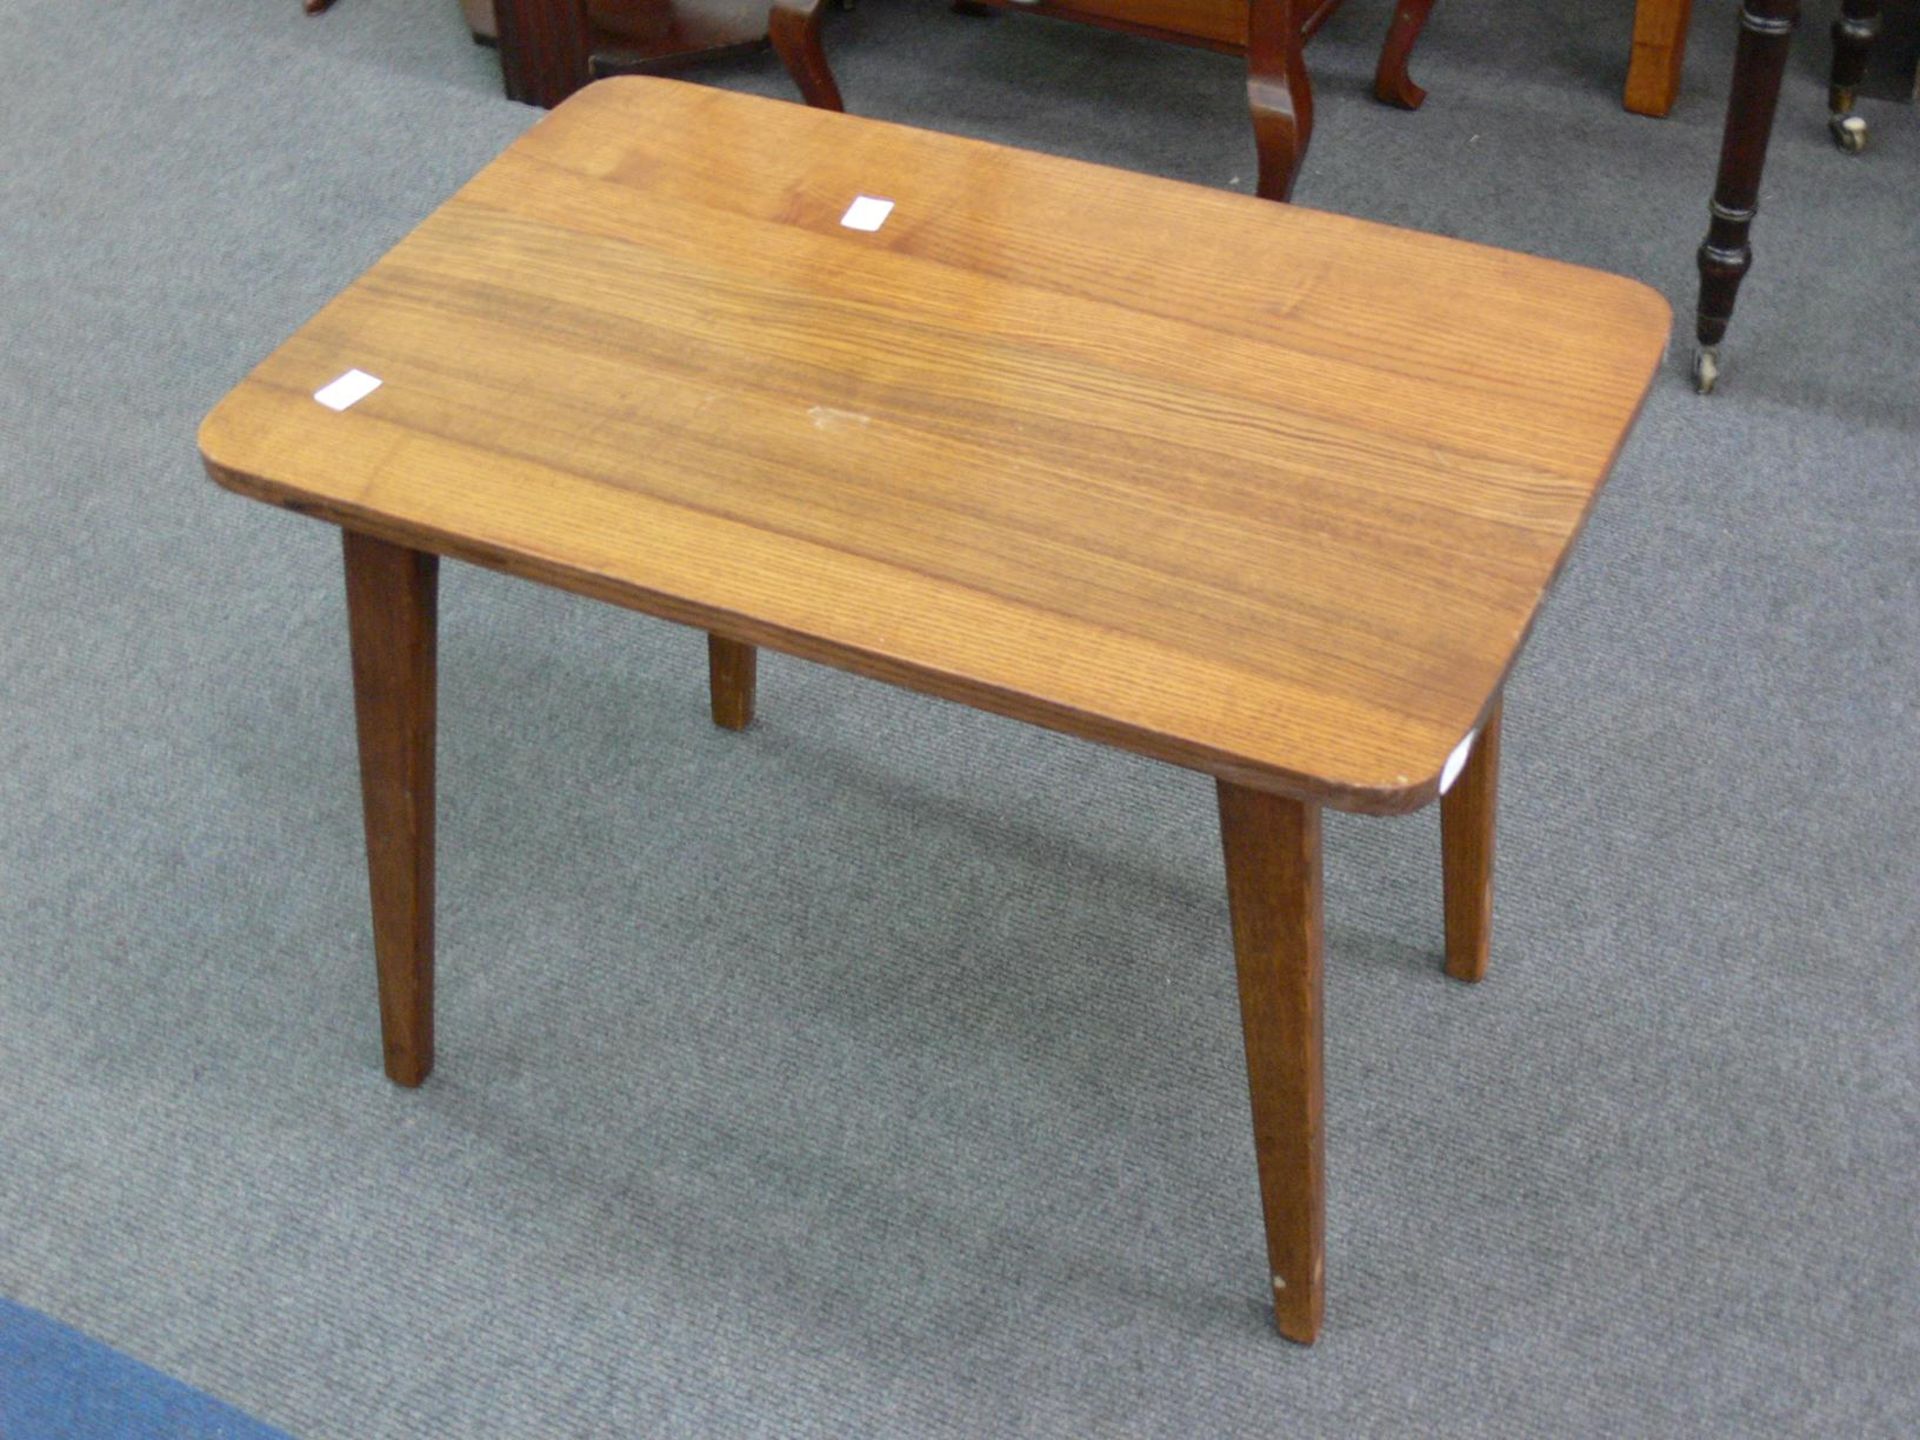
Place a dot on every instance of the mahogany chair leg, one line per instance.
(1766, 30)
(1467, 827)
(314, 7)
(732, 674)
(392, 609)
(1391, 83)
(1272, 847)
(794, 28)
(1280, 95)
(1659, 55)
(1853, 37)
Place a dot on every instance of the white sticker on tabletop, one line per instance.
(350, 389)
(867, 212)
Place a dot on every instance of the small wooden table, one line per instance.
(1266, 493)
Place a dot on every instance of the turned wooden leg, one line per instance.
(314, 7)
(1466, 853)
(392, 606)
(1279, 94)
(1766, 29)
(1853, 36)
(731, 673)
(1391, 83)
(794, 28)
(1659, 55)
(1272, 847)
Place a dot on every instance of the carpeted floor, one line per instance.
(878, 1072)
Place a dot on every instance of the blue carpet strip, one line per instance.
(57, 1384)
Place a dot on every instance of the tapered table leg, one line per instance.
(1853, 37)
(1466, 853)
(1766, 29)
(1279, 93)
(732, 671)
(1272, 847)
(392, 607)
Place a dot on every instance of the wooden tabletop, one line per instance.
(1267, 492)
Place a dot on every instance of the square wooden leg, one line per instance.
(392, 613)
(1659, 55)
(1466, 853)
(1272, 847)
(732, 675)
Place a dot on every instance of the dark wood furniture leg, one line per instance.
(1853, 37)
(545, 49)
(392, 608)
(1766, 32)
(1279, 94)
(1272, 847)
(732, 677)
(1391, 83)
(1467, 828)
(1659, 55)
(794, 28)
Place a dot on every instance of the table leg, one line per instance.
(794, 28)
(1279, 93)
(1766, 30)
(1466, 853)
(1659, 55)
(545, 49)
(1853, 36)
(1391, 83)
(732, 677)
(392, 610)
(1272, 847)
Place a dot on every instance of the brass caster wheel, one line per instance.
(1849, 133)
(1706, 368)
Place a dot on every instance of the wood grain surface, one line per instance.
(1266, 492)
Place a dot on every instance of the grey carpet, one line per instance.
(877, 1071)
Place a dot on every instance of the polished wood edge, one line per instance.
(980, 695)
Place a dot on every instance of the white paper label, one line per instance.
(867, 213)
(350, 389)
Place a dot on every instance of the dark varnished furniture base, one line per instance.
(550, 48)
(1279, 93)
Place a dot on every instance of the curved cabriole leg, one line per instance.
(1279, 94)
(1391, 83)
(1853, 36)
(1466, 853)
(794, 28)
(1766, 29)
